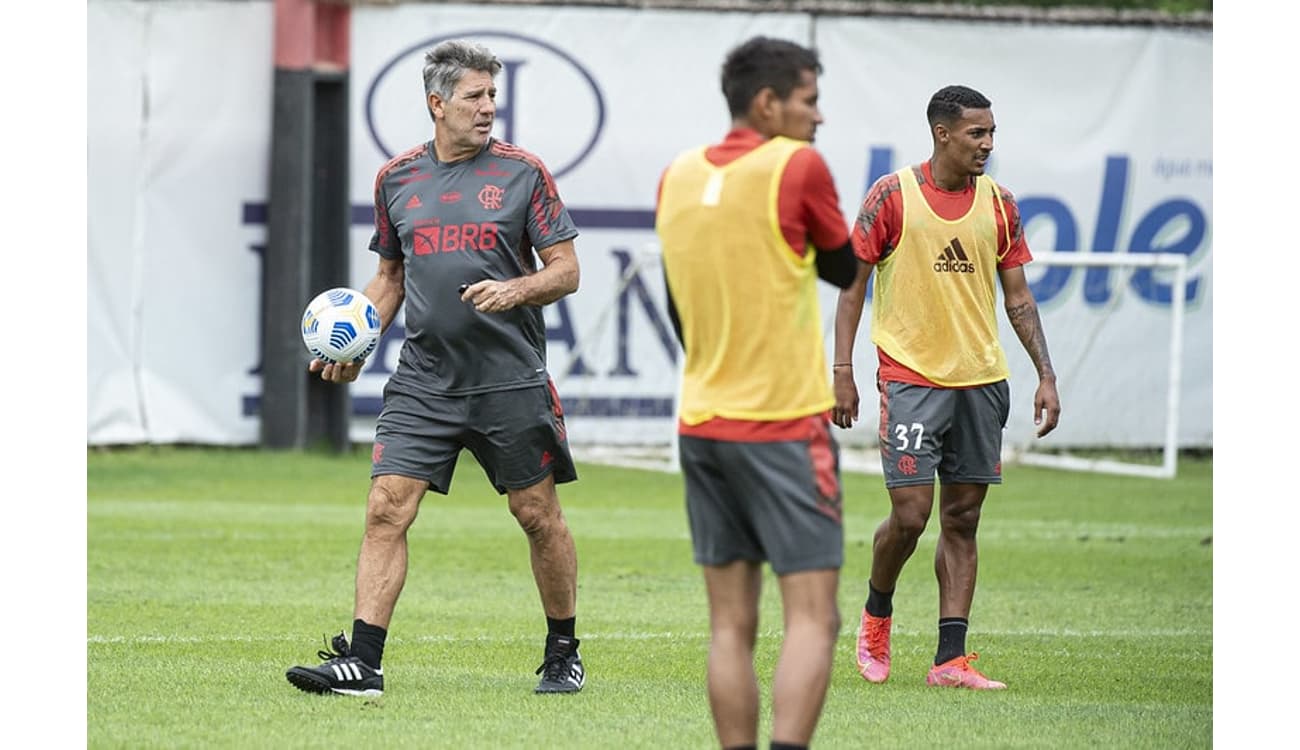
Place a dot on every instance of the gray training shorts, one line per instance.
(953, 432)
(517, 436)
(778, 501)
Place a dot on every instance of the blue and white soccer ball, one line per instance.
(341, 325)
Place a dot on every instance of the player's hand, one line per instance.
(337, 373)
(492, 296)
(1047, 406)
(845, 411)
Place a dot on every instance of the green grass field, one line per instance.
(209, 572)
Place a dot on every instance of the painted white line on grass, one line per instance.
(654, 636)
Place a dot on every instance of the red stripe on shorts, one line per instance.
(823, 462)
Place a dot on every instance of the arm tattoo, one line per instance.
(1024, 319)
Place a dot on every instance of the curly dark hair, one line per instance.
(948, 102)
(762, 62)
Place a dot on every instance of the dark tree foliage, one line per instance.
(1169, 6)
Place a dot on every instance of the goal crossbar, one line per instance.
(1168, 467)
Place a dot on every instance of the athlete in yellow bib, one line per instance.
(934, 310)
(754, 343)
(940, 236)
(747, 227)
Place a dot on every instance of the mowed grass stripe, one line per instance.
(639, 636)
(209, 572)
(612, 523)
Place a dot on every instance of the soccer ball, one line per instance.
(341, 325)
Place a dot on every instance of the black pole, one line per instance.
(329, 406)
(307, 233)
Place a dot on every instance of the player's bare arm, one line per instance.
(386, 290)
(557, 278)
(848, 315)
(1022, 312)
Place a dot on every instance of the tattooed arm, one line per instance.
(1022, 311)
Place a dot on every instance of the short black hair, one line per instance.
(762, 62)
(948, 102)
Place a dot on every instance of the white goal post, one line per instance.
(1168, 466)
(1100, 350)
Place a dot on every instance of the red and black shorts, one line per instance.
(955, 433)
(778, 502)
(518, 436)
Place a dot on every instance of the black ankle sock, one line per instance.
(879, 604)
(786, 746)
(560, 627)
(741, 747)
(952, 639)
(368, 642)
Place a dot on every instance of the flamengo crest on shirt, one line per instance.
(490, 197)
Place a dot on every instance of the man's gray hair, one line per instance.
(445, 64)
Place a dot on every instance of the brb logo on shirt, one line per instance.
(431, 236)
(539, 84)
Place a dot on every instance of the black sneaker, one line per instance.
(341, 673)
(561, 668)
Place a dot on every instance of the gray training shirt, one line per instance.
(459, 223)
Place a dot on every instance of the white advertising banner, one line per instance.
(179, 110)
(606, 98)
(1104, 135)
